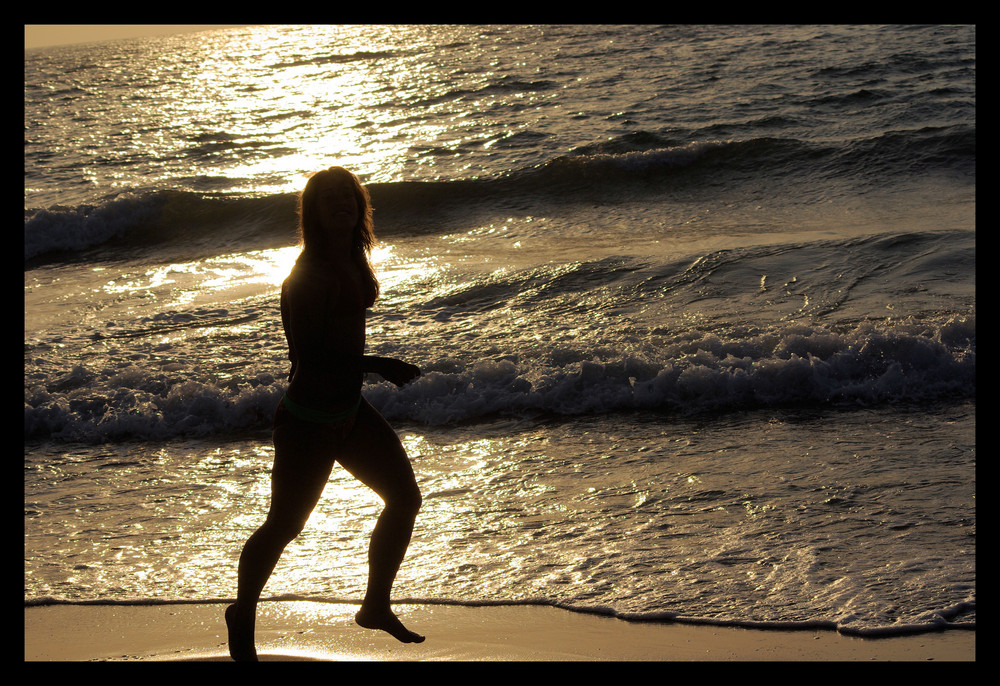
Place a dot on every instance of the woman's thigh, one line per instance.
(374, 455)
(303, 460)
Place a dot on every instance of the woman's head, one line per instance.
(324, 205)
(335, 216)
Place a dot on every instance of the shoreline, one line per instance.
(319, 631)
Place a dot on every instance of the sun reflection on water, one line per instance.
(238, 274)
(233, 276)
(314, 93)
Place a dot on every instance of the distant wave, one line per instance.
(160, 217)
(152, 219)
(927, 148)
(321, 60)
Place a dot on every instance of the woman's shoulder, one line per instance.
(308, 278)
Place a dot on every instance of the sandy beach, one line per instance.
(305, 631)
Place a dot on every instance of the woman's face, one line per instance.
(337, 206)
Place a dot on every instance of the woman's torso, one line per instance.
(323, 314)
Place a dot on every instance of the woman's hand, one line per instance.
(396, 371)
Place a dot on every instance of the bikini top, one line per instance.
(357, 298)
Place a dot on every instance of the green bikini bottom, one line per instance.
(308, 414)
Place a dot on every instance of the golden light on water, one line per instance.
(311, 92)
(220, 287)
(214, 279)
(258, 108)
(331, 552)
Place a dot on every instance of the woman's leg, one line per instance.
(303, 460)
(374, 455)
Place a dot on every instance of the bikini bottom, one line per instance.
(342, 421)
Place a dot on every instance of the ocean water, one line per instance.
(695, 307)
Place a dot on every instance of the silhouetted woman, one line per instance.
(323, 418)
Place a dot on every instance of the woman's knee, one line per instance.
(415, 499)
(406, 499)
(282, 529)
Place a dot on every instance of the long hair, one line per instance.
(310, 232)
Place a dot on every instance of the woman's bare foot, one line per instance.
(385, 620)
(241, 645)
